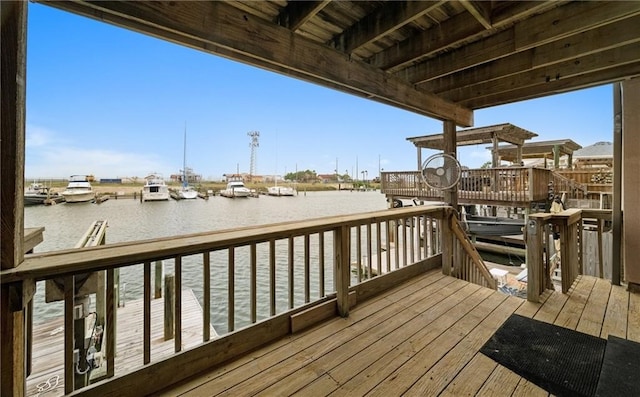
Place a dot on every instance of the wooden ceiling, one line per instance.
(442, 59)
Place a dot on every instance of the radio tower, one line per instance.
(254, 144)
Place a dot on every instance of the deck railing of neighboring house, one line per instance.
(569, 226)
(512, 186)
(318, 267)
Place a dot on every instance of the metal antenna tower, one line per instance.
(254, 144)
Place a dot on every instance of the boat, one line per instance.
(235, 189)
(186, 192)
(78, 190)
(493, 225)
(38, 194)
(155, 189)
(280, 191)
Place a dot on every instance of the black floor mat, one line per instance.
(620, 369)
(562, 361)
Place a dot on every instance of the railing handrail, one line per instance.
(58, 263)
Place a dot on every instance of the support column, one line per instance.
(630, 162)
(12, 94)
(449, 147)
(556, 156)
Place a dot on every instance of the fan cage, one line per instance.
(441, 171)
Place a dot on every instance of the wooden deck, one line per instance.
(421, 338)
(47, 378)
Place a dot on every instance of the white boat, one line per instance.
(186, 192)
(37, 194)
(155, 189)
(78, 190)
(281, 191)
(235, 189)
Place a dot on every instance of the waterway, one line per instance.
(129, 220)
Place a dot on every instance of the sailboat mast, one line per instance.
(184, 157)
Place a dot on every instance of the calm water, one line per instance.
(130, 220)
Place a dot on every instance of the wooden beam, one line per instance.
(384, 20)
(565, 53)
(573, 67)
(618, 165)
(12, 126)
(448, 33)
(218, 27)
(563, 21)
(481, 11)
(449, 137)
(630, 180)
(297, 13)
(558, 86)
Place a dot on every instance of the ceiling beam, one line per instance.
(219, 27)
(607, 37)
(381, 22)
(570, 68)
(462, 27)
(563, 21)
(481, 11)
(552, 87)
(297, 13)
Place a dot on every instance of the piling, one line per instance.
(158, 281)
(169, 304)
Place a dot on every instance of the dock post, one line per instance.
(169, 304)
(158, 281)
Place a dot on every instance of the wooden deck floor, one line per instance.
(47, 378)
(421, 338)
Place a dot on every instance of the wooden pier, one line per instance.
(47, 377)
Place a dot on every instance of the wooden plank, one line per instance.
(206, 292)
(551, 308)
(528, 389)
(177, 311)
(379, 339)
(69, 347)
(593, 314)
(472, 377)
(146, 333)
(501, 382)
(318, 313)
(570, 314)
(231, 287)
(633, 322)
(615, 317)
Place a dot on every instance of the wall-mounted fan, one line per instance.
(441, 171)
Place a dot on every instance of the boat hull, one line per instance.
(280, 191)
(493, 226)
(188, 194)
(82, 197)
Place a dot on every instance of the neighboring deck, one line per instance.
(421, 338)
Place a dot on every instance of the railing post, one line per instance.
(447, 242)
(158, 281)
(537, 273)
(169, 303)
(342, 268)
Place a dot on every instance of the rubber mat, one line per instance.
(620, 369)
(562, 361)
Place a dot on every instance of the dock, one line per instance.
(47, 376)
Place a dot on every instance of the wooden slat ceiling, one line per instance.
(442, 59)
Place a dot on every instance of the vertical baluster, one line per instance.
(379, 246)
(321, 264)
(404, 242)
(178, 301)
(206, 298)
(146, 334)
(231, 288)
(272, 276)
(253, 285)
(413, 238)
(307, 266)
(396, 224)
(69, 366)
(111, 326)
(388, 252)
(359, 251)
(291, 274)
(369, 264)
(341, 236)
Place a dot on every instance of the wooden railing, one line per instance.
(512, 186)
(285, 276)
(568, 227)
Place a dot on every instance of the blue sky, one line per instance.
(114, 103)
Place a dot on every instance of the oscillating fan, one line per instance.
(441, 171)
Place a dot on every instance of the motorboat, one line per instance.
(155, 189)
(78, 190)
(493, 225)
(38, 194)
(187, 192)
(281, 191)
(235, 189)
